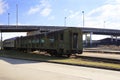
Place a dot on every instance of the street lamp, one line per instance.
(8, 18)
(65, 21)
(104, 24)
(83, 18)
(16, 15)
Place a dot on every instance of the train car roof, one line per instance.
(41, 33)
(49, 32)
(11, 38)
(46, 33)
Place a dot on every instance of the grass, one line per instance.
(89, 63)
(73, 61)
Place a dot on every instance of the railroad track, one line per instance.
(101, 55)
(102, 51)
(100, 59)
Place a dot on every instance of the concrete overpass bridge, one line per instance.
(112, 32)
(28, 28)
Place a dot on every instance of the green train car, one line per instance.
(62, 42)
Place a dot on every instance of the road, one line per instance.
(15, 69)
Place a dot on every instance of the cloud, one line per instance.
(45, 12)
(74, 18)
(51, 17)
(113, 2)
(44, 8)
(34, 9)
(3, 6)
(107, 15)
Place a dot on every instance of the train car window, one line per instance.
(61, 36)
(51, 40)
(37, 41)
(29, 41)
(42, 41)
(33, 41)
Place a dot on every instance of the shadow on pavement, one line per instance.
(17, 61)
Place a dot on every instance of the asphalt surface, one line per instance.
(15, 69)
(101, 55)
(100, 50)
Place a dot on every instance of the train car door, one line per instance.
(75, 41)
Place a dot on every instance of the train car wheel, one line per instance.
(68, 55)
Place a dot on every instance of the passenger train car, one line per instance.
(9, 43)
(62, 42)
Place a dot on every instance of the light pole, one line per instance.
(65, 21)
(104, 24)
(16, 15)
(83, 19)
(8, 19)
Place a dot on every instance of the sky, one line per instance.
(97, 13)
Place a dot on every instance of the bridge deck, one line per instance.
(27, 28)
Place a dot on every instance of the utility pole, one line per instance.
(83, 19)
(8, 19)
(16, 15)
(65, 21)
(104, 24)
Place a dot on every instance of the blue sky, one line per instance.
(97, 13)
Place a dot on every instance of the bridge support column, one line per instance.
(116, 38)
(112, 38)
(86, 39)
(1, 44)
(91, 33)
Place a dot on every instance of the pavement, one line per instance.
(101, 55)
(101, 50)
(15, 69)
